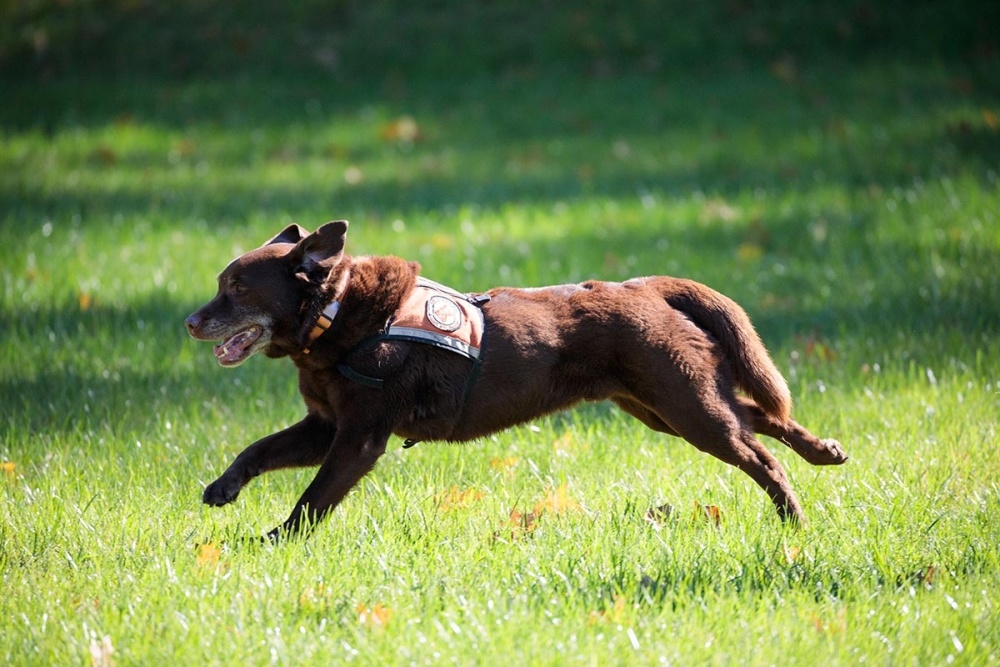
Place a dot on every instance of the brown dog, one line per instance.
(669, 352)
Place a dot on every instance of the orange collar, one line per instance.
(325, 319)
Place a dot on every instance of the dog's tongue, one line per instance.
(234, 349)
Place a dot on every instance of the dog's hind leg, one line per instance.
(814, 450)
(303, 444)
(643, 414)
(709, 422)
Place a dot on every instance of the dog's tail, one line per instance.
(754, 371)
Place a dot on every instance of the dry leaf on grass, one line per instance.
(556, 501)
(315, 598)
(403, 130)
(658, 516)
(505, 465)
(563, 444)
(790, 554)
(613, 614)
(374, 617)
(518, 525)
(710, 513)
(207, 555)
(456, 498)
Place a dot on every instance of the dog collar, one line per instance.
(325, 319)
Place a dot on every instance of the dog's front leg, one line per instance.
(351, 457)
(303, 444)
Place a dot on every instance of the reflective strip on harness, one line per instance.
(432, 338)
(434, 315)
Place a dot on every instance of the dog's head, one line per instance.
(261, 294)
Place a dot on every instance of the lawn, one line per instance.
(847, 195)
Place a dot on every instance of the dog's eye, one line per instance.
(236, 286)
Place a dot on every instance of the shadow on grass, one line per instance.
(124, 368)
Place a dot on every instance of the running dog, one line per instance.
(382, 351)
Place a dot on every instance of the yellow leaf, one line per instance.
(614, 614)
(207, 555)
(790, 553)
(711, 513)
(85, 301)
(455, 498)
(404, 130)
(375, 617)
(831, 627)
(519, 524)
(315, 598)
(504, 464)
(556, 501)
(563, 443)
(8, 467)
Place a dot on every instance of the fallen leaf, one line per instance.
(710, 512)
(85, 300)
(505, 465)
(614, 614)
(106, 155)
(207, 555)
(455, 498)
(556, 501)
(791, 554)
(814, 347)
(375, 617)
(403, 130)
(518, 524)
(836, 626)
(8, 467)
(563, 443)
(658, 515)
(990, 119)
(184, 148)
(315, 598)
(923, 577)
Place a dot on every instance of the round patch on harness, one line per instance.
(444, 313)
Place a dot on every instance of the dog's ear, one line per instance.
(324, 247)
(290, 234)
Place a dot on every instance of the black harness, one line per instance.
(442, 312)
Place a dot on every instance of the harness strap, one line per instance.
(367, 380)
(447, 326)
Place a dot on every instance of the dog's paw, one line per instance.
(221, 492)
(834, 453)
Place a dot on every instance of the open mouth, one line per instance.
(235, 349)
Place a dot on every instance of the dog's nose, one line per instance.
(192, 322)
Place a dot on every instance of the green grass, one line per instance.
(851, 203)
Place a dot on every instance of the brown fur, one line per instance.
(669, 352)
